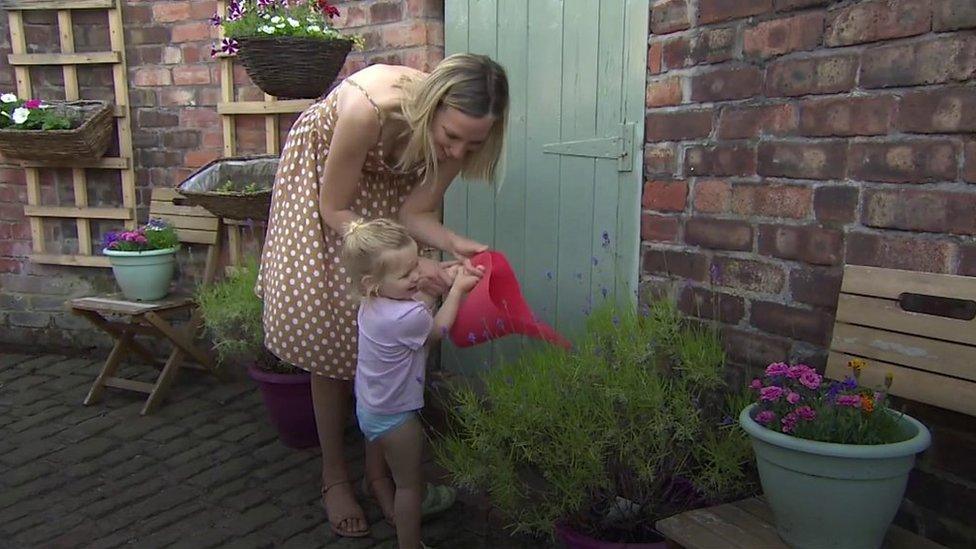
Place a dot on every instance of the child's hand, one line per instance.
(464, 282)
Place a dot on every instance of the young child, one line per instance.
(395, 328)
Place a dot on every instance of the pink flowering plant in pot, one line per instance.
(817, 441)
(144, 259)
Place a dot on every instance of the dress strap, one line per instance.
(376, 107)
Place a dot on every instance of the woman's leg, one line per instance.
(332, 400)
(379, 481)
(403, 448)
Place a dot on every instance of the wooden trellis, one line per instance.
(69, 60)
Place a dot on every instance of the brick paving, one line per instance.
(206, 470)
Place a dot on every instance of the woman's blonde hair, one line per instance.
(363, 246)
(473, 84)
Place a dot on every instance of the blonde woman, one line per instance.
(386, 143)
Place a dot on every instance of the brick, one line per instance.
(946, 110)
(721, 159)
(877, 20)
(199, 118)
(812, 326)
(803, 160)
(385, 12)
(146, 35)
(753, 348)
(676, 53)
(716, 45)
(168, 12)
(755, 120)
(805, 76)
(789, 34)
(835, 204)
(809, 244)
(904, 161)
(668, 16)
(189, 75)
(197, 158)
(659, 228)
(654, 57)
(772, 200)
(665, 196)
(920, 210)
(177, 97)
(896, 252)
(726, 83)
(713, 11)
(29, 319)
(413, 33)
(425, 8)
(664, 92)
(182, 139)
(660, 160)
(787, 5)
(712, 196)
(197, 31)
(953, 15)
(747, 274)
(817, 286)
(921, 62)
(967, 260)
(969, 166)
(846, 116)
(678, 125)
(719, 234)
(703, 303)
(676, 263)
(152, 76)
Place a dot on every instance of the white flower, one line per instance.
(267, 29)
(280, 25)
(267, 16)
(293, 22)
(276, 19)
(20, 115)
(314, 28)
(8, 98)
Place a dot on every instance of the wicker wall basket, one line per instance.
(208, 187)
(293, 67)
(89, 139)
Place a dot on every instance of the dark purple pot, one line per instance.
(575, 540)
(288, 398)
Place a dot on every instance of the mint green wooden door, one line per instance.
(567, 211)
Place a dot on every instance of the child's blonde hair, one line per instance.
(363, 247)
(473, 84)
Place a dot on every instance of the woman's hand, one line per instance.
(435, 279)
(463, 248)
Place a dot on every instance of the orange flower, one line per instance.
(867, 403)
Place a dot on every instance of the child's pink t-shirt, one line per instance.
(392, 355)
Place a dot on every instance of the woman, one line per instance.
(387, 142)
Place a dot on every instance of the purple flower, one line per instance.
(806, 413)
(849, 383)
(765, 417)
(579, 276)
(500, 324)
(810, 379)
(789, 422)
(549, 275)
(615, 320)
(605, 292)
(595, 261)
(792, 397)
(777, 369)
(833, 390)
(229, 46)
(215, 20)
(771, 393)
(727, 420)
(756, 384)
(606, 239)
(109, 239)
(265, 4)
(796, 371)
(472, 338)
(854, 401)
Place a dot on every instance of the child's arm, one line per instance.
(445, 317)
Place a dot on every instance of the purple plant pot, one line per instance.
(288, 398)
(576, 540)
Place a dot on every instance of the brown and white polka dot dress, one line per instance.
(309, 316)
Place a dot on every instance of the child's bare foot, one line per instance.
(382, 489)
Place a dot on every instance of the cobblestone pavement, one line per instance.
(206, 470)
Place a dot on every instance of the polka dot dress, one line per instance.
(309, 309)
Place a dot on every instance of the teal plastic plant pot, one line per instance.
(143, 276)
(833, 496)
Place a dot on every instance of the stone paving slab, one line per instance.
(206, 470)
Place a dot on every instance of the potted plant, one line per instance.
(833, 456)
(232, 316)
(32, 129)
(288, 47)
(598, 443)
(143, 260)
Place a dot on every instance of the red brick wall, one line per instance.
(173, 90)
(786, 138)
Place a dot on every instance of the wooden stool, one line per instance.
(193, 225)
(748, 524)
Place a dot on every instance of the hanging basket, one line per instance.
(293, 67)
(89, 139)
(234, 187)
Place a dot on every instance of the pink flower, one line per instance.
(789, 422)
(771, 393)
(798, 370)
(756, 384)
(854, 401)
(806, 413)
(141, 239)
(810, 379)
(777, 369)
(765, 417)
(32, 103)
(792, 397)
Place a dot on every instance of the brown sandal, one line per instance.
(333, 524)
